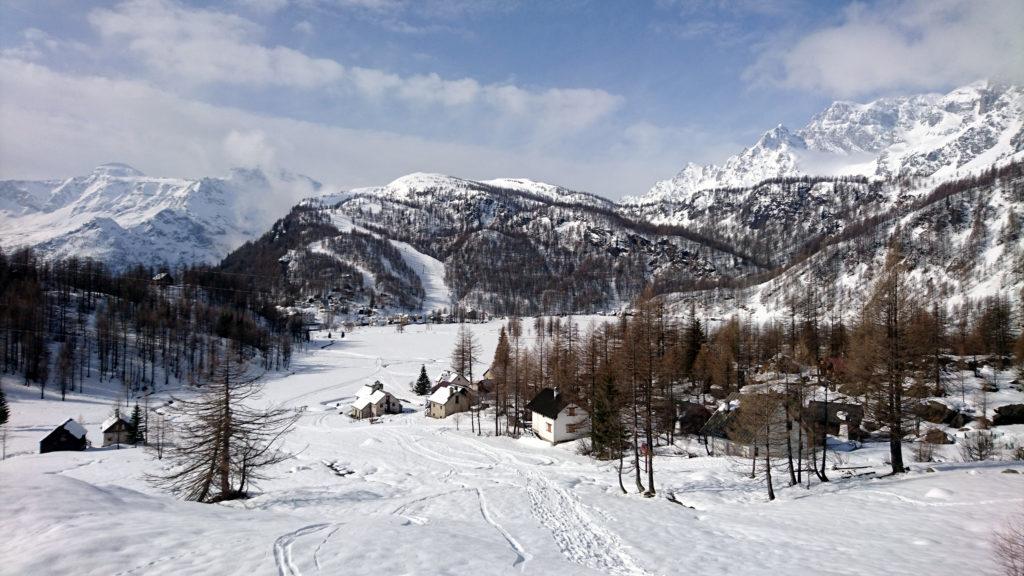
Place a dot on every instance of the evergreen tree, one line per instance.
(137, 430)
(423, 382)
(608, 435)
(5, 412)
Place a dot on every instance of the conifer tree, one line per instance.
(137, 430)
(224, 444)
(608, 435)
(5, 412)
(423, 382)
(500, 370)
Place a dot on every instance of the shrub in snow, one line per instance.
(1009, 546)
(977, 446)
(924, 451)
(583, 447)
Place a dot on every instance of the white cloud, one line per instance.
(57, 124)
(206, 46)
(36, 44)
(903, 45)
(248, 148)
(194, 47)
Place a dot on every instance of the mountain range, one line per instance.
(785, 210)
(121, 216)
(929, 136)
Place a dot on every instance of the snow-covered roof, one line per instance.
(111, 421)
(367, 399)
(74, 428)
(442, 394)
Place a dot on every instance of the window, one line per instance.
(570, 428)
(572, 410)
(548, 426)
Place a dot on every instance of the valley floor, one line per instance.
(414, 495)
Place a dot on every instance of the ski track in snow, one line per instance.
(579, 536)
(283, 549)
(522, 557)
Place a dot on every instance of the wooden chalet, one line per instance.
(68, 436)
(116, 430)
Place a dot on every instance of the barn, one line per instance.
(68, 436)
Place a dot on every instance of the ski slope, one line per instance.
(437, 296)
(414, 495)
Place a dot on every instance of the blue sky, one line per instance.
(605, 96)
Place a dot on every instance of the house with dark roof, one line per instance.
(722, 434)
(556, 418)
(729, 433)
(68, 436)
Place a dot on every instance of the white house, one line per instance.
(449, 378)
(116, 430)
(448, 400)
(372, 400)
(556, 419)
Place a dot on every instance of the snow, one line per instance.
(74, 428)
(431, 273)
(442, 394)
(367, 396)
(121, 216)
(943, 137)
(110, 422)
(415, 495)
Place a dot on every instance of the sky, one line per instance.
(606, 96)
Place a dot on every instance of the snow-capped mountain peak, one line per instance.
(119, 215)
(933, 135)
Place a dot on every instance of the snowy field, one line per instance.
(414, 495)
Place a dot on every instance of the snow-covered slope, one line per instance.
(965, 241)
(121, 216)
(421, 185)
(415, 495)
(937, 136)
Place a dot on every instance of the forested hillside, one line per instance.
(64, 321)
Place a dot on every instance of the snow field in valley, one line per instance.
(414, 495)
